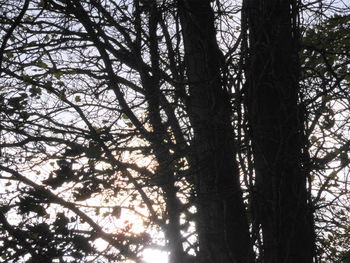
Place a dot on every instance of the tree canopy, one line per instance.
(215, 131)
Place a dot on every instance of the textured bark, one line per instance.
(222, 224)
(272, 101)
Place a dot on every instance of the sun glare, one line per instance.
(155, 256)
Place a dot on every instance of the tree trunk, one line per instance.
(165, 171)
(272, 74)
(222, 224)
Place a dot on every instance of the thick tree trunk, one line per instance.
(222, 224)
(272, 74)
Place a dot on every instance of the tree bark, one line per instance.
(272, 74)
(222, 224)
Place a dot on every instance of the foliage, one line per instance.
(96, 135)
(325, 83)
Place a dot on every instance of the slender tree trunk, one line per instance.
(272, 74)
(222, 224)
(165, 171)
